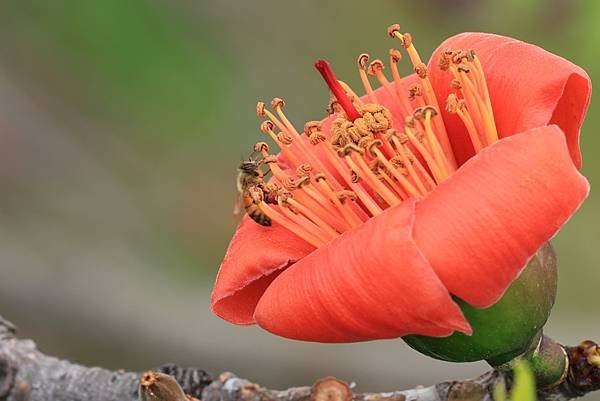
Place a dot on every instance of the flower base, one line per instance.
(507, 329)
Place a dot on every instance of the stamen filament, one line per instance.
(307, 198)
(489, 126)
(287, 152)
(359, 166)
(326, 228)
(351, 217)
(361, 62)
(393, 184)
(365, 198)
(383, 81)
(435, 145)
(429, 93)
(325, 209)
(433, 166)
(291, 226)
(400, 90)
(302, 221)
(408, 158)
(473, 135)
(397, 175)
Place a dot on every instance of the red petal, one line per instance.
(369, 283)
(529, 87)
(479, 228)
(256, 255)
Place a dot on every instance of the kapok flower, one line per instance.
(436, 185)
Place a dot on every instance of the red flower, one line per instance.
(422, 206)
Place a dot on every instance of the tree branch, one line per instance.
(26, 374)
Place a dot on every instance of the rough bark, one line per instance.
(26, 374)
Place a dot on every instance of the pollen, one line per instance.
(330, 178)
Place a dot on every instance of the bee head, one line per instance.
(249, 167)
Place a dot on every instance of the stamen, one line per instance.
(409, 158)
(429, 94)
(361, 62)
(395, 57)
(406, 162)
(301, 221)
(353, 156)
(266, 127)
(376, 69)
(325, 69)
(401, 178)
(382, 172)
(302, 149)
(477, 104)
(282, 220)
(350, 216)
(456, 106)
(308, 195)
(428, 112)
(342, 170)
(431, 163)
(330, 232)
(362, 166)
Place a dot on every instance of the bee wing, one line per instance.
(238, 205)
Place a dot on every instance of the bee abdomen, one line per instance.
(258, 216)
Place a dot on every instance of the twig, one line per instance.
(26, 374)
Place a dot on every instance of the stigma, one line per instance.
(332, 176)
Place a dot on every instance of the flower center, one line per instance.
(372, 158)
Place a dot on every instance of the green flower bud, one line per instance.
(508, 328)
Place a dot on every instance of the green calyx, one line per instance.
(507, 329)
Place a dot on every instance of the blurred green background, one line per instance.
(121, 125)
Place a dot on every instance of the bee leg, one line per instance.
(268, 159)
(256, 194)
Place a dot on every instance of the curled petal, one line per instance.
(479, 227)
(256, 255)
(529, 87)
(369, 283)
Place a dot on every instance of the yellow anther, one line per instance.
(406, 39)
(312, 126)
(375, 66)
(395, 55)
(285, 138)
(362, 60)
(432, 111)
(261, 147)
(266, 126)
(260, 109)
(289, 183)
(277, 103)
(333, 107)
(421, 70)
(445, 60)
(304, 170)
(345, 195)
(351, 147)
(320, 176)
(316, 138)
(463, 68)
(373, 143)
(414, 91)
(392, 30)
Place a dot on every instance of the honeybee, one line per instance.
(251, 191)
